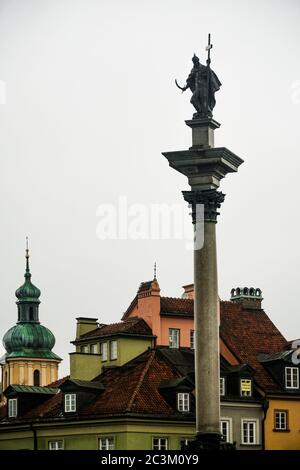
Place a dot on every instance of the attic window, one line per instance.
(70, 402)
(12, 407)
(192, 339)
(246, 387)
(222, 386)
(291, 377)
(183, 402)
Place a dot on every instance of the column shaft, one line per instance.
(207, 334)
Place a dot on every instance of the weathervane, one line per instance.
(203, 83)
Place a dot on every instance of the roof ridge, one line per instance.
(174, 298)
(141, 379)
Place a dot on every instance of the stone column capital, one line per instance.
(210, 199)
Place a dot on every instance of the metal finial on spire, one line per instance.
(155, 269)
(27, 256)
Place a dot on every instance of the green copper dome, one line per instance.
(29, 340)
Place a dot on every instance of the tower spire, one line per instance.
(155, 269)
(27, 259)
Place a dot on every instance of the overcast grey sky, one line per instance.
(91, 104)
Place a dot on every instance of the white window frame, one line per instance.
(228, 421)
(113, 350)
(85, 349)
(104, 352)
(183, 402)
(56, 444)
(70, 402)
(174, 338)
(94, 348)
(281, 413)
(291, 370)
(159, 445)
(256, 431)
(192, 339)
(108, 441)
(243, 392)
(222, 387)
(12, 407)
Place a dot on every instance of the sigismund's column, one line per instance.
(205, 165)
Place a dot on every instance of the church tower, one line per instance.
(29, 359)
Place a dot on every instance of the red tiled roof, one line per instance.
(58, 382)
(177, 306)
(247, 333)
(132, 326)
(133, 388)
(49, 409)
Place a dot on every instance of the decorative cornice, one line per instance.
(210, 199)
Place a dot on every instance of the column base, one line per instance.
(208, 441)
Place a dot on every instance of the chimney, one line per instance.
(84, 325)
(188, 292)
(249, 297)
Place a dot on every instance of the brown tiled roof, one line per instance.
(177, 306)
(248, 333)
(49, 409)
(58, 382)
(131, 326)
(133, 388)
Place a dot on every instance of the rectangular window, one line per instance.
(192, 339)
(106, 443)
(94, 348)
(56, 445)
(104, 351)
(249, 431)
(246, 387)
(291, 377)
(183, 402)
(225, 428)
(70, 402)
(174, 338)
(160, 443)
(222, 386)
(280, 420)
(85, 349)
(12, 407)
(113, 350)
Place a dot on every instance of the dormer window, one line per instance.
(104, 351)
(246, 387)
(113, 350)
(291, 377)
(183, 402)
(70, 402)
(94, 348)
(12, 407)
(222, 386)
